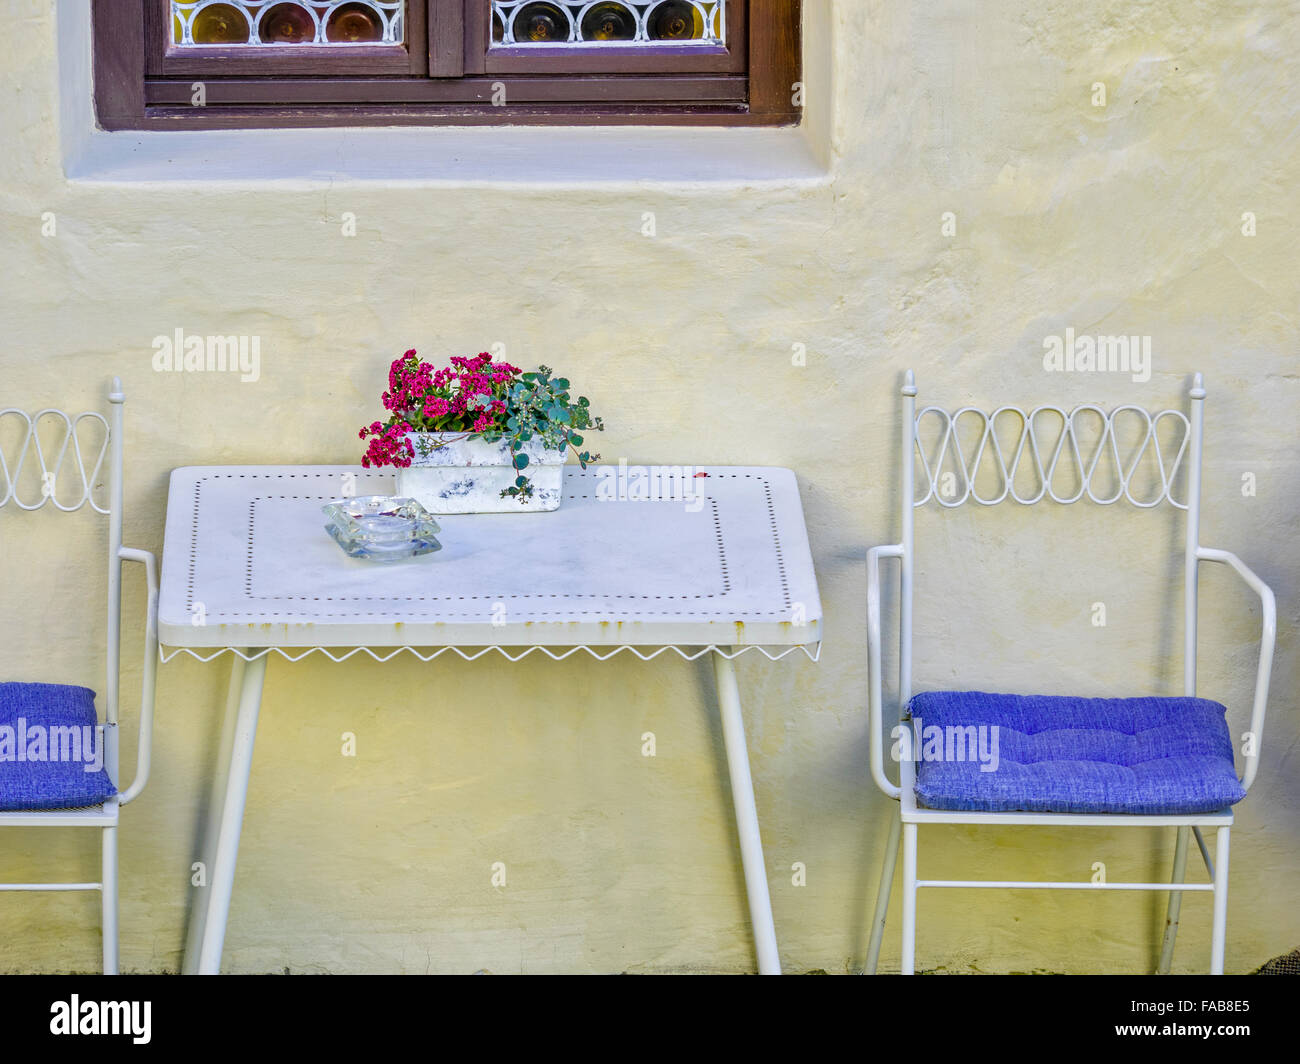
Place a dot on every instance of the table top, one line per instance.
(247, 563)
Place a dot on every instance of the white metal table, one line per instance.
(716, 564)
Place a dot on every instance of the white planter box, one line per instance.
(456, 473)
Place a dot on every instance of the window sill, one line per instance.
(456, 155)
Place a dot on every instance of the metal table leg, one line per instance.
(207, 930)
(207, 848)
(742, 795)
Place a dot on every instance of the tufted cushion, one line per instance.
(48, 740)
(1057, 754)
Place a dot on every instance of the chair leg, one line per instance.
(1220, 933)
(882, 897)
(909, 899)
(1175, 902)
(109, 899)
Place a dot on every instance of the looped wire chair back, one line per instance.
(72, 460)
(1031, 455)
(81, 450)
(1026, 455)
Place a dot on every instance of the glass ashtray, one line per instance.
(381, 528)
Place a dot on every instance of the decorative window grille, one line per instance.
(257, 23)
(608, 22)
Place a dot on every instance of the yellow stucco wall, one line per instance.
(1124, 218)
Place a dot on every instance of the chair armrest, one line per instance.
(149, 674)
(874, 693)
(1268, 637)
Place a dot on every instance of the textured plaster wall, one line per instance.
(1124, 218)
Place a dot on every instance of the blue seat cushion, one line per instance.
(1056, 754)
(51, 750)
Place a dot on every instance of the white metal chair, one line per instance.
(1041, 458)
(13, 485)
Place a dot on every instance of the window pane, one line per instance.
(601, 22)
(259, 23)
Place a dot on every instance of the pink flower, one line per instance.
(423, 398)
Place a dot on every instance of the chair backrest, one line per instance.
(41, 485)
(1049, 443)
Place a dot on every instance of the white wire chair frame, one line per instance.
(89, 467)
(1185, 457)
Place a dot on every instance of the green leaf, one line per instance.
(521, 482)
(575, 439)
(521, 460)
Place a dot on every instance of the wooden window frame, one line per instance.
(445, 74)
